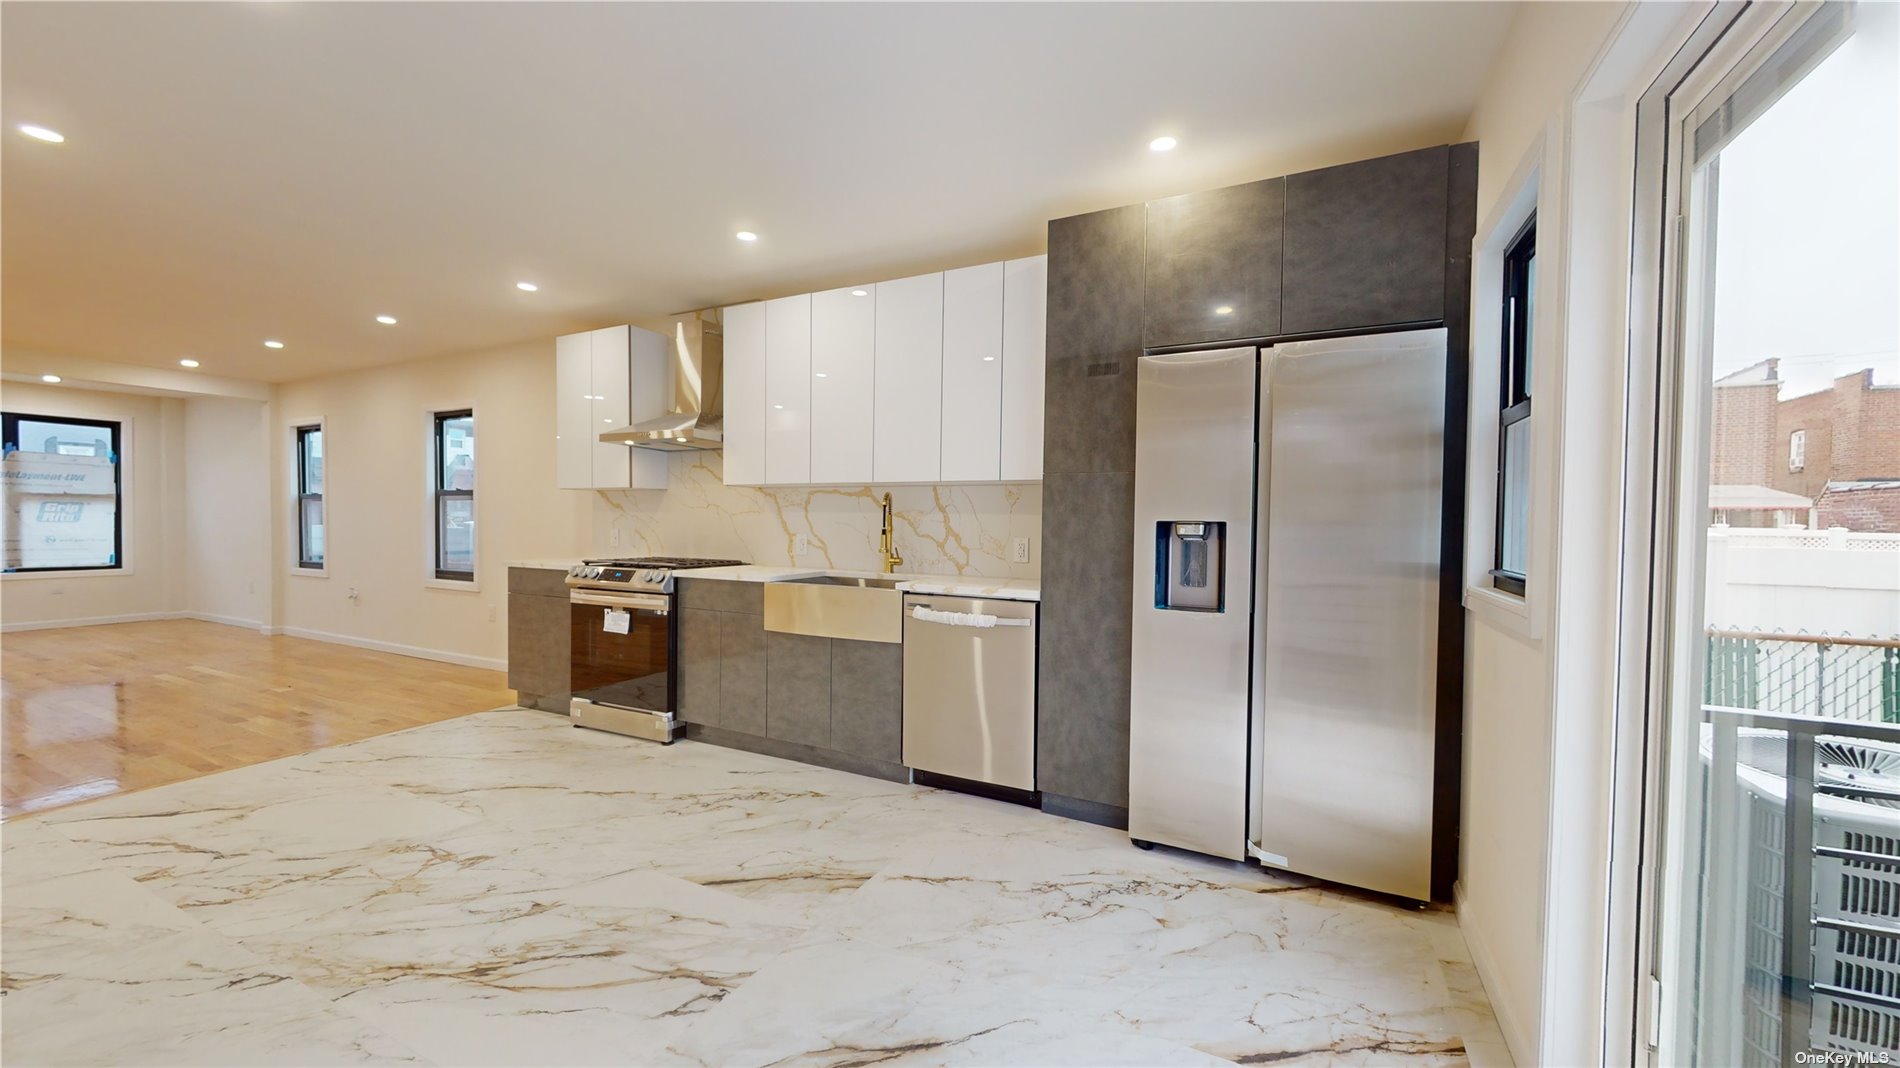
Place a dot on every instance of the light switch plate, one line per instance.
(1019, 550)
(801, 544)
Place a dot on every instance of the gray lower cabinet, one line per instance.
(1212, 265)
(538, 637)
(1365, 243)
(822, 700)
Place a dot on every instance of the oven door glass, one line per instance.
(622, 650)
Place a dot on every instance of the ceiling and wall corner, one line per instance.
(238, 172)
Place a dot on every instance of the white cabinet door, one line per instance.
(843, 348)
(972, 373)
(612, 405)
(1025, 303)
(650, 394)
(788, 390)
(573, 411)
(744, 447)
(909, 380)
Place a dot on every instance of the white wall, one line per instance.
(376, 425)
(226, 510)
(1508, 691)
(151, 584)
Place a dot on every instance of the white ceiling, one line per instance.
(236, 172)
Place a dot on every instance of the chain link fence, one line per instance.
(1835, 676)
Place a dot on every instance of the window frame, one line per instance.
(440, 493)
(1514, 392)
(1798, 450)
(9, 433)
(301, 495)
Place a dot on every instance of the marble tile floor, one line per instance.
(505, 889)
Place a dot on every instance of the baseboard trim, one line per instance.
(229, 621)
(1075, 808)
(88, 621)
(1486, 966)
(420, 653)
(804, 754)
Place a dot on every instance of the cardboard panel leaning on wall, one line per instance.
(151, 584)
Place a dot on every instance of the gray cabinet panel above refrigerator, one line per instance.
(1365, 244)
(1212, 265)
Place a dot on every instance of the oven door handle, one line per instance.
(643, 602)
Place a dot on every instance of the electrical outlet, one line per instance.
(801, 544)
(352, 594)
(613, 537)
(1019, 550)
(491, 613)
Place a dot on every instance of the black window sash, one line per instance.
(10, 440)
(304, 558)
(1514, 388)
(443, 493)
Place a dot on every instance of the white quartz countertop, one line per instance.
(751, 573)
(1005, 589)
(946, 585)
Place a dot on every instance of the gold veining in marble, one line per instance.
(947, 529)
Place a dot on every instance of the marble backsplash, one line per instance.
(949, 529)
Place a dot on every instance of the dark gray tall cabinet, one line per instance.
(1380, 244)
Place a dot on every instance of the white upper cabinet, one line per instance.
(612, 403)
(972, 373)
(602, 378)
(936, 378)
(843, 346)
(1025, 305)
(574, 411)
(788, 390)
(649, 395)
(744, 386)
(908, 422)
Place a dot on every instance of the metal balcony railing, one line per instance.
(1833, 676)
(1800, 946)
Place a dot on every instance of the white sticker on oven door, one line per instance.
(618, 621)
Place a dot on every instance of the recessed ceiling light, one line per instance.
(526, 287)
(822, 374)
(386, 320)
(989, 359)
(746, 235)
(1225, 309)
(41, 133)
(860, 292)
(1162, 144)
(779, 406)
(187, 363)
(606, 420)
(273, 344)
(50, 378)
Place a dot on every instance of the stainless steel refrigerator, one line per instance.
(1287, 549)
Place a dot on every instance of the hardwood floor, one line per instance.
(93, 711)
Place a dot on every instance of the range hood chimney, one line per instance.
(697, 418)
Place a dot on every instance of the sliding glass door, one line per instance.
(1776, 616)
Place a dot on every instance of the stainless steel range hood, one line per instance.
(696, 420)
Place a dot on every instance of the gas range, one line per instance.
(647, 574)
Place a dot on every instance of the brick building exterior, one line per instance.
(1848, 433)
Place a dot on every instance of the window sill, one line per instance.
(1504, 611)
(84, 572)
(464, 586)
(309, 572)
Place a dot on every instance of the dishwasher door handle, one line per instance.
(923, 613)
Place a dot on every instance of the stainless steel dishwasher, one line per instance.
(970, 689)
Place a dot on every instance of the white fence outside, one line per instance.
(1797, 581)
